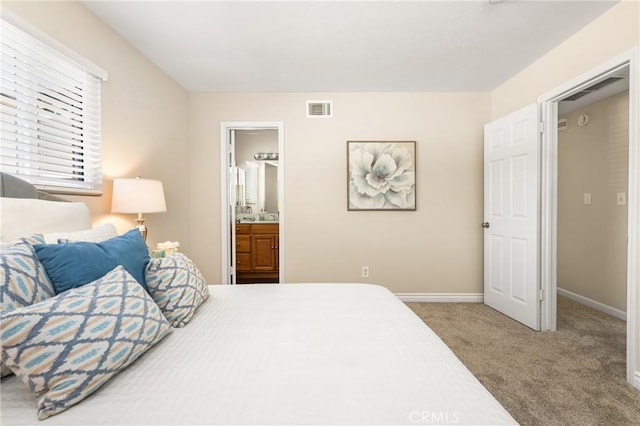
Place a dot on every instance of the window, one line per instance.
(251, 181)
(50, 114)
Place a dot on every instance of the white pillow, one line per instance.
(25, 216)
(95, 235)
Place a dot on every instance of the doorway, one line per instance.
(252, 201)
(549, 197)
(593, 170)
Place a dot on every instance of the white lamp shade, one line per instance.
(137, 195)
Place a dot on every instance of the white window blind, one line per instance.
(251, 180)
(50, 116)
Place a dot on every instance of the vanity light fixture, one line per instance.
(266, 156)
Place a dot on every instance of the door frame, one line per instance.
(548, 199)
(225, 224)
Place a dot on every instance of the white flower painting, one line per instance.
(381, 175)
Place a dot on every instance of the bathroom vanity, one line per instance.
(257, 252)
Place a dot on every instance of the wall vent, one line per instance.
(563, 125)
(319, 109)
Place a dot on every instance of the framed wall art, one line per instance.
(381, 175)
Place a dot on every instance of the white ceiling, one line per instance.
(264, 46)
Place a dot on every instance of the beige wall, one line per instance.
(436, 249)
(616, 31)
(592, 239)
(250, 142)
(144, 115)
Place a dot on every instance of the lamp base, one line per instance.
(142, 228)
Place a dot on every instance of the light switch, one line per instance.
(587, 198)
(621, 198)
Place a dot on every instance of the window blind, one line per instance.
(251, 180)
(50, 116)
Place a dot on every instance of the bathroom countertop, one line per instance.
(258, 221)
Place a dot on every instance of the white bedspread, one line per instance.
(286, 354)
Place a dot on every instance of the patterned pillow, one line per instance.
(177, 286)
(23, 280)
(68, 346)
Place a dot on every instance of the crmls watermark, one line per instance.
(434, 417)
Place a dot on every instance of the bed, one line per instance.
(284, 354)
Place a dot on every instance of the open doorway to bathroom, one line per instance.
(252, 194)
(256, 207)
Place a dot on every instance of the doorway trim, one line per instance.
(548, 198)
(225, 224)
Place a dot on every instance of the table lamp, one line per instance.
(136, 195)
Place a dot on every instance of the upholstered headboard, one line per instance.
(13, 187)
(24, 211)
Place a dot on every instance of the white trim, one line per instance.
(633, 203)
(548, 215)
(549, 176)
(636, 380)
(441, 297)
(598, 306)
(224, 211)
(54, 44)
(225, 127)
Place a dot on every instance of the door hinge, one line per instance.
(541, 127)
(540, 294)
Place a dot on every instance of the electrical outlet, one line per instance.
(365, 272)
(621, 198)
(586, 198)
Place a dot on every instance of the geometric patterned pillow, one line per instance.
(23, 279)
(68, 346)
(177, 286)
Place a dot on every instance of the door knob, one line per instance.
(485, 224)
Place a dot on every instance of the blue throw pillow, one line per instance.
(76, 264)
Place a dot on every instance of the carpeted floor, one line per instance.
(575, 376)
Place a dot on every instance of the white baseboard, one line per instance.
(593, 304)
(442, 297)
(636, 380)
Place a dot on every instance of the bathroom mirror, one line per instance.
(259, 191)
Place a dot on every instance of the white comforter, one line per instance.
(286, 354)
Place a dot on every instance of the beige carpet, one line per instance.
(575, 376)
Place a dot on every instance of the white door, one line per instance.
(511, 175)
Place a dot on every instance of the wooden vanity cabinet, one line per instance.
(257, 252)
(243, 248)
(264, 247)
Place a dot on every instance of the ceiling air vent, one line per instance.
(319, 109)
(593, 88)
